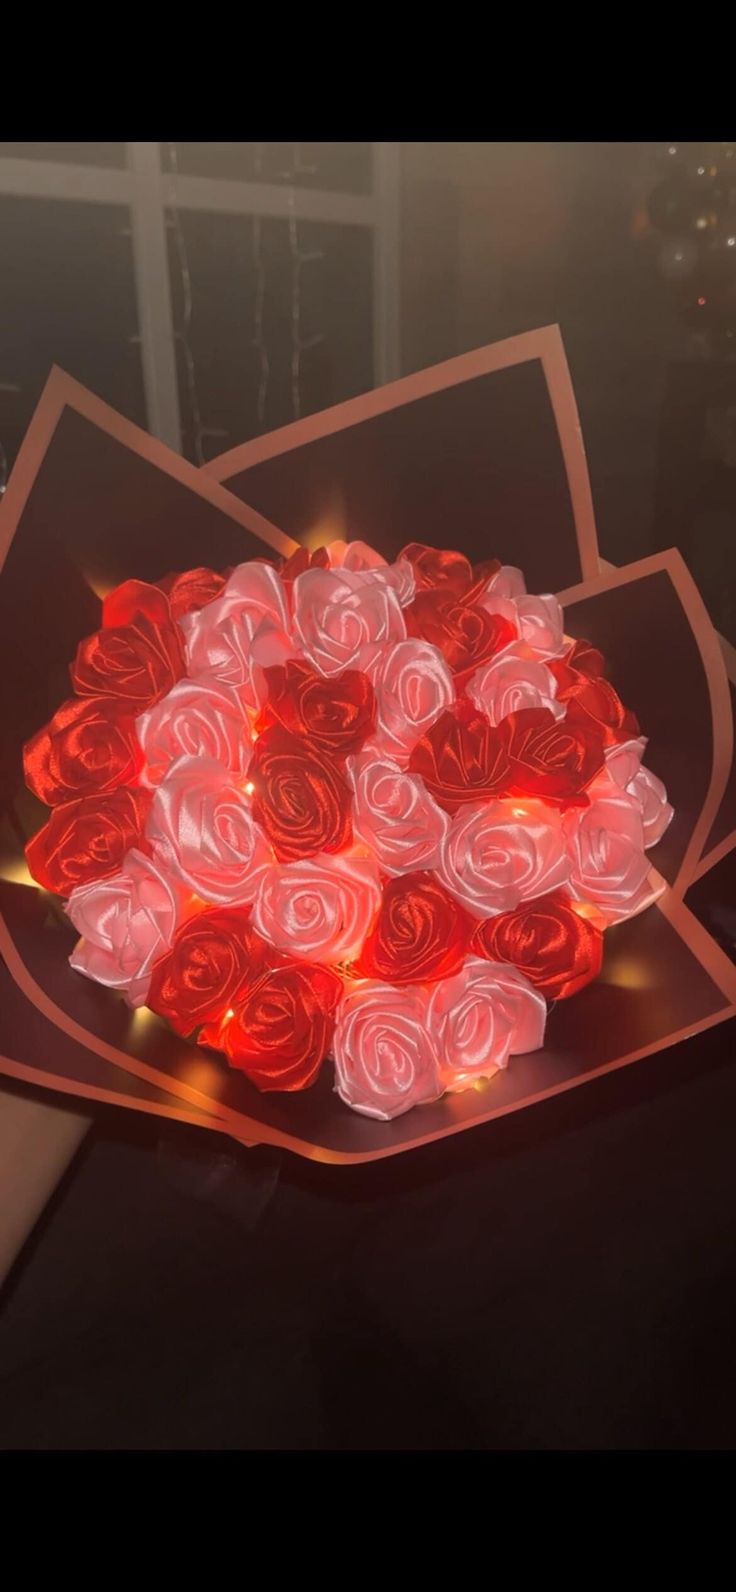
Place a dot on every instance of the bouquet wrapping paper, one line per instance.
(483, 453)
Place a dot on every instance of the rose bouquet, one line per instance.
(335, 806)
(347, 827)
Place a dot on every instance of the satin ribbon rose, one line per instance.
(506, 581)
(421, 933)
(87, 839)
(194, 720)
(241, 633)
(513, 681)
(321, 909)
(438, 566)
(359, 556)
(394, 813)
(624, 766)
(300, 795)
(500, 853)
(608, 865)
(538, 620)
(551, 760)
(280, 1029)
(480, 1017)
(589, 697)
(461, 758)
(202, 831)
(555, 948)
(336, 715)
(89, 746)
(213, 955)
(342, 617)
(126, 922)
(385, 1060)
(137, 655)
(191, 589)
(444, 569)
(413, 686)
(466, 633)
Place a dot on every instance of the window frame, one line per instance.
(148, 191)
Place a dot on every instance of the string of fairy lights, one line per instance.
(299, 258)
(182, 332)
(259, 268)
(299, 343)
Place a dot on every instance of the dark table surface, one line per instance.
(563, 1278)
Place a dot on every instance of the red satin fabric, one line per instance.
(214, 955)
(300, 561)
(89, 745)
(438, 567)
(462, 758)
(590, 698)
(334, 715)
(87, 839)
(552, 945)
(282, 1026)
(191, 589)
(465, 633)
(138, 655)
(586, 659)
(549, 758)
(301, 798)
(421, 934)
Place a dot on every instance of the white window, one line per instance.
(276, 282)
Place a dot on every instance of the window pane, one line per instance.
(343, 168)
(243, 383)
(73, 154)
(68, 298)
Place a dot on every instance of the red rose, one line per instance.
(462, 758)
(301, 798)
(139, 652)
(301, 560)
(282, 1026)
(551, 944)
(466, 634)
(590, 698)
(420, 934)
(586, 658)
(87, 839)
(336, 715)
(450, 571)
(191, 590)
(213, 956)
(551, 758)
(438, 566)
(481, 575)
(89, 745)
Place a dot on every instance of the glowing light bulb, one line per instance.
(16, 872)
(229, 1014)
(142, 1016)
(250, 787)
